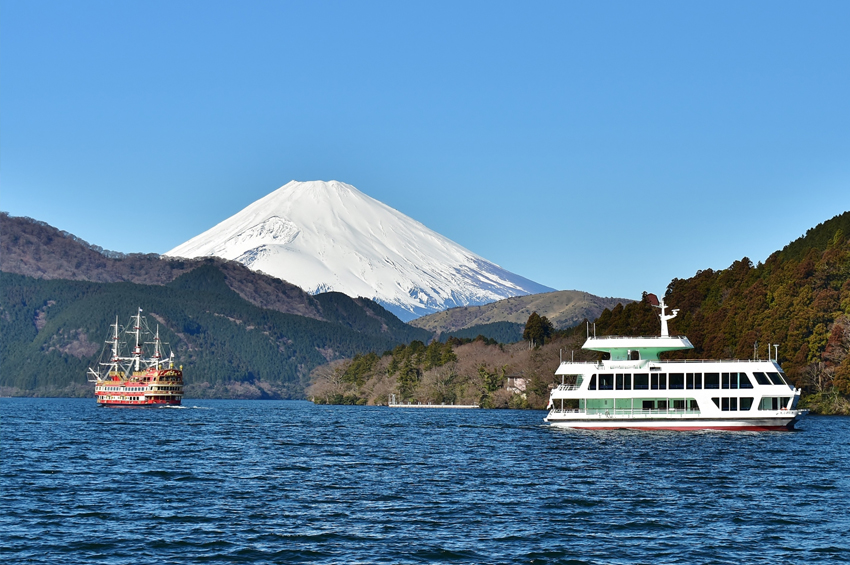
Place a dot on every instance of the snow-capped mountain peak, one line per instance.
(329, 236)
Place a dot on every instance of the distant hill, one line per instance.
(51, 330)
(239, 333)
(564, 309)
(799, 298)
(503, 332)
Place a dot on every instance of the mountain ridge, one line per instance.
(329, 235)
(36, 249)
(564, 308)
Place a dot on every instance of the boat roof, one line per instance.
(649, 347)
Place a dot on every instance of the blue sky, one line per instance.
(599, 146)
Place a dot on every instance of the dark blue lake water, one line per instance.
(290, 482)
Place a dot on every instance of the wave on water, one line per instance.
(277, 482)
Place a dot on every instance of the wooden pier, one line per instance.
(393, 404)
(411, 405)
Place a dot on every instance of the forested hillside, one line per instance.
(35, 249)
(51, 330)
(503, 332)
(460, 371)
(799, 298)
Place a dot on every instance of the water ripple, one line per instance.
(289, 482)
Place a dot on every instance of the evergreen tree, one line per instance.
(537, 329)
(449, 355)
(408, 378)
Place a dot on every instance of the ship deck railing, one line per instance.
(662, 361)
(712, 361)
(639, 337)
(626, 412)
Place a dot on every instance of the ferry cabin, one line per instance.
(635, 389)
(653, 389)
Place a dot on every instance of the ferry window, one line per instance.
(654, 380)
(628, 382)
(662, 405)
(641, 381)
(784, 378)
(724, 404)
(777, 380)
(592, 384)
(677, 380)
(783, 402)
(744, 381)
(606, 381)
(761, 378)
(693, 380)
(724, 380)
(648, 404)
(679, 404)
(619, 383)
(693, 404)
(659, 381)
(746, 403)
(733, 404)
(712, 380)
(716, 402)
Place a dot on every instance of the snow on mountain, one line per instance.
(329, 236)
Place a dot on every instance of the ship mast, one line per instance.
(156, 355)
(115, 342)
(665, 317)
(137, 351)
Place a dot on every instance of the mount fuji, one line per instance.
(329, 236)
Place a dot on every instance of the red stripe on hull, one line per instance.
(136, 404)
(692, 428)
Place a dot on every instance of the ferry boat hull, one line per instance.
(779, 423)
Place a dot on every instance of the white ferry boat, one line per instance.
(635, 389)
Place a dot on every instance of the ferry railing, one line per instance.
(639, 337)
(712, 361)
(632, 413)
(662, 361)
(599, 364)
